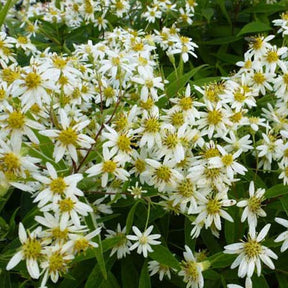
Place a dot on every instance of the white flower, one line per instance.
(31, 250)
(122, 247)
(156, 267)
(284, 235)
(251, 253)
(108, 166)
(57, 187)
(143, 240)
(68, 138)
(252, 206)
(191, 270)
(227, 162)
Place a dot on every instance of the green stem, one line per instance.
(4, 11)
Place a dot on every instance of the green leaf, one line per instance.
(207, 13)
(259, 282)
(130, 217)
(284, 202)
(277, 190)
(222, 6)
(111, 282)
(100, 258)
(4, 11)
(164, 256)
(282, 280)
(178, 84)
(254, 27)
(221, 260)
(144, 281)
(129, 274)
(264, 8)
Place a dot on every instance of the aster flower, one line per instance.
(69, 137)
(252, 206)
(155, 267)
(251, 253)
(191, 270)
(31, 250)
(143, 240)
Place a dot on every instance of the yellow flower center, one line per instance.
(177, 119)
(285, 78)
(59, 234)
(124, 143)
(214, 117)
(259, 78)
(2, 94)
(66, 205)
(227, 160)
(212, 152)
(191, 271)
(212, 173)
(109, 92)
(16, 120)
(254, 204)
(272, 56)
(58, 186)
(151, 125)
(81, 244)
(121, 122)
(170, 140)
(252, 249)
(186, 103)
(236, 117)
(115, 61)
(32, 80)
(22, 40)
(68, 136)
(149, 83)
(109, 166)
(32, 248)
(140, 165)
(163, 173)
(148, 104)
(57, 262)
(257, 43)
(10, 162)
(186, 188)
(239, 96)
(143, 240)
(213, 206)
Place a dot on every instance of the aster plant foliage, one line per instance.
(144, 143)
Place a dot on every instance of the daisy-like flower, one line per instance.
(32, 88)
(150, 84)
(55, 263)
(17, 124)
(108, 166)
(227, 162)
(252, 206)
(210, 210)
(69, 208)
(69, 138)
(14, 166)
(122, 247)
(162, 176)
(31, 250)
(136, 191)
(57, 187)
(143, 240)
(284, 235)
(156, 267)
(118, 142)
(191, 270)
(251, 253)
(80, 243)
